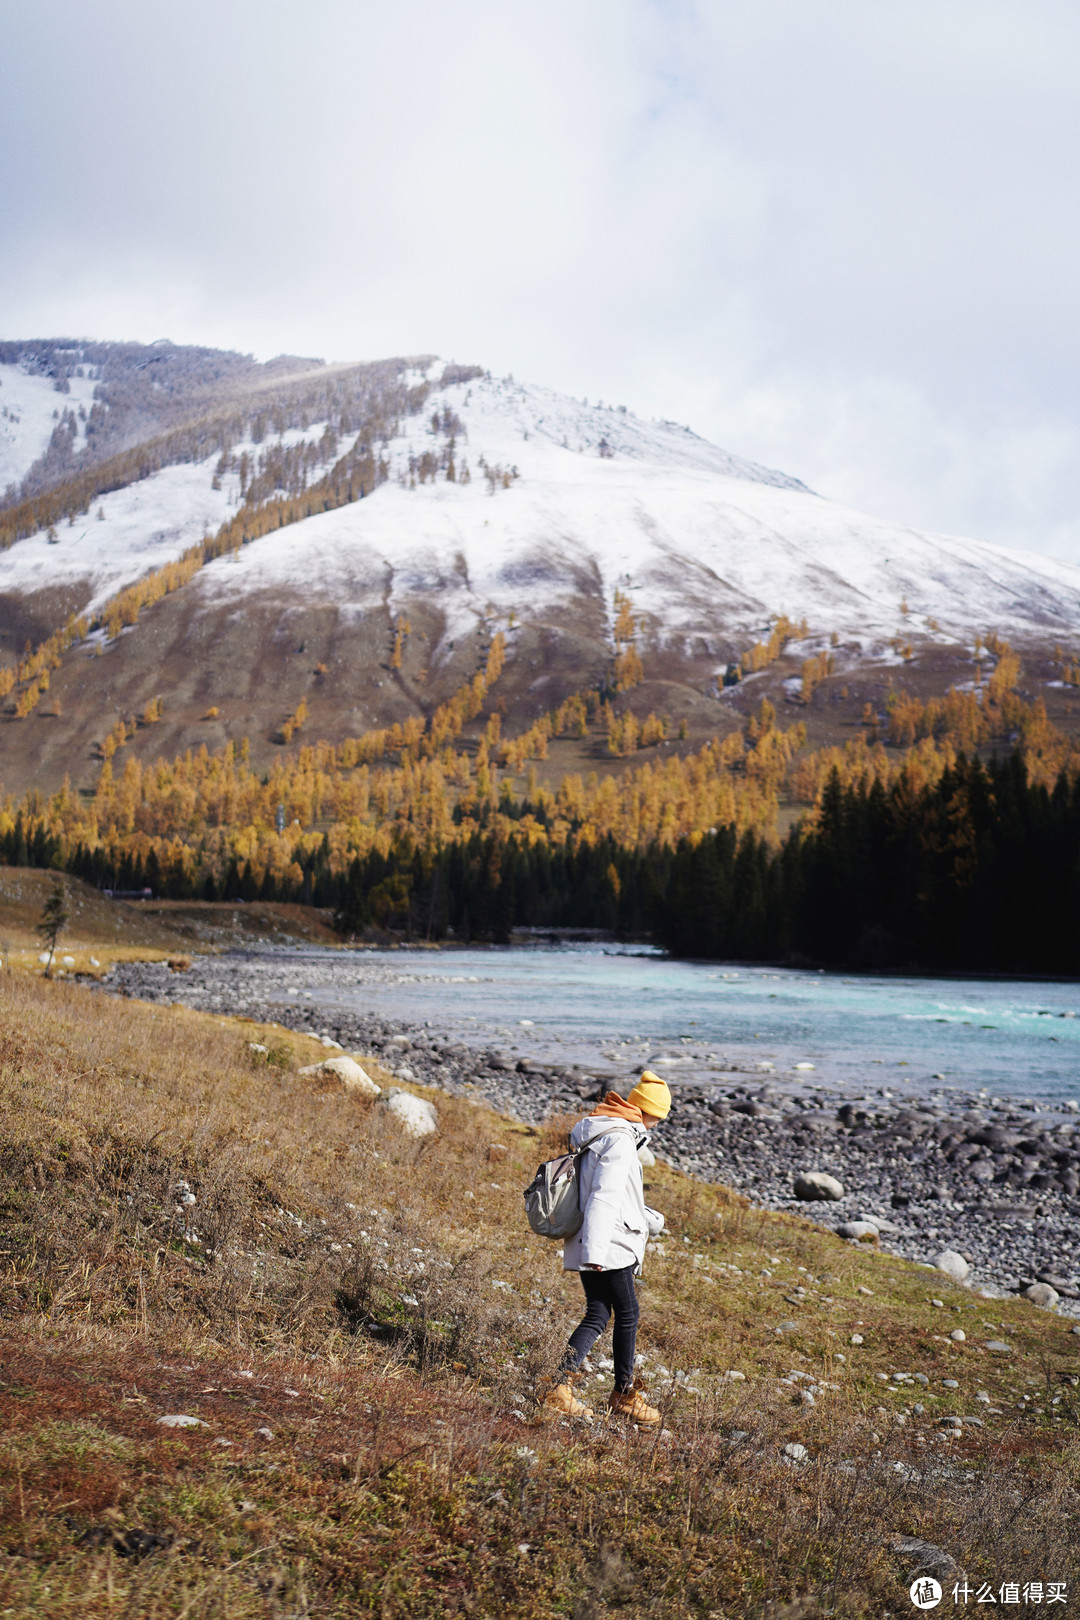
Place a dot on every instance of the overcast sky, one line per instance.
(838, 236)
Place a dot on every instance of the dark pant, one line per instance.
(607, 1292)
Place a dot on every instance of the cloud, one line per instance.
(839, 238)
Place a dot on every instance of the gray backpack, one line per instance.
(552, 1200)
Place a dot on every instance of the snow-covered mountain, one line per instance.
(706, 545)
(505, 505)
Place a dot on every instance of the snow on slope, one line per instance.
(144, 526)
(27, 403)
(702, 543)
(705, 544)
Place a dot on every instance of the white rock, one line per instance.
(856, 1338)
(1043, 1295)
(349, 1072)
(94, 962)
(180, 1420)
(68, 961)
(858, 1231)
(816, 1185)
(958, 1335)
(796, 1452)
(877, 1220)
(43, 958)
(257, 1046)
(415, 1115)
(952, 1264)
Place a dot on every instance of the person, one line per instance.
(609, 1247)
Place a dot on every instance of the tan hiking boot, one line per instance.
(555, 1398)
(561, 1401)
(633, 1405)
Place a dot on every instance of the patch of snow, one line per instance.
(145, 525)
(27, 403)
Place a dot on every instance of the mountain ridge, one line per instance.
(489, 504)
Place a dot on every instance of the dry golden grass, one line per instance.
(334, 1286)
(102, 931)
(108, 929)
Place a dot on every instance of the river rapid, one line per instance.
(573, 1003)
(606, 1008)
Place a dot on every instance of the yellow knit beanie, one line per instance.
(651, 1095)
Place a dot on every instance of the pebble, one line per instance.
(958, 1335)
(181, 1420)
(856, 1338)
(795, 1451)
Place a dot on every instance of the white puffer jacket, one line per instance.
(617, 1221)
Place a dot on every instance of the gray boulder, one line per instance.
(349, 1072)
(953, 1265)
(925, 1555)
(814, 1186)
(415, 1115)
(1041, 1294)
(859, 1232)
(877, 1221)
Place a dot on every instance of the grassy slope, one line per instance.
(385, 1331)
(114, 930)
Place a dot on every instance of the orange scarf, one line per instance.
(616, 1107)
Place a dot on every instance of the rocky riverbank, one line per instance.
(994, 1180)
